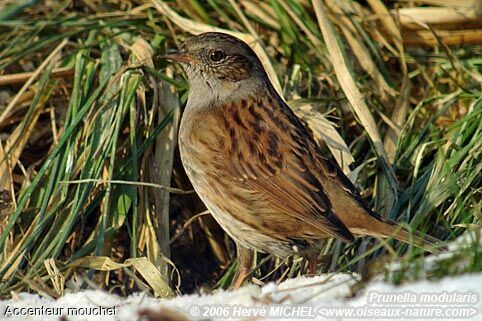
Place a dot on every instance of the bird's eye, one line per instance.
(217, 55)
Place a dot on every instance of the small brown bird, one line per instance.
(254, 164)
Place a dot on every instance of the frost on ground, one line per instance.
(328, 296)
(317, 298)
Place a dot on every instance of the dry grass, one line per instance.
(93, 194)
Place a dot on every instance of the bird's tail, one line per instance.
(388, 229)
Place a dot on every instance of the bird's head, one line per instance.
(219, 63)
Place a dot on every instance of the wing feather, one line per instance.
(278, 163)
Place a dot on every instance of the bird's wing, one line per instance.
(270, 151)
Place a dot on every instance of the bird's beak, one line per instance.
(178, 55)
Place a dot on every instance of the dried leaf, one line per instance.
(142, 265)
(346, 80)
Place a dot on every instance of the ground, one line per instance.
(338, 296)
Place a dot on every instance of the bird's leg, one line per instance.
(312, 263)
(311, 256)
(245, 262)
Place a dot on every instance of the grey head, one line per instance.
(220, 68)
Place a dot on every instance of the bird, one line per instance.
(256, 166)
